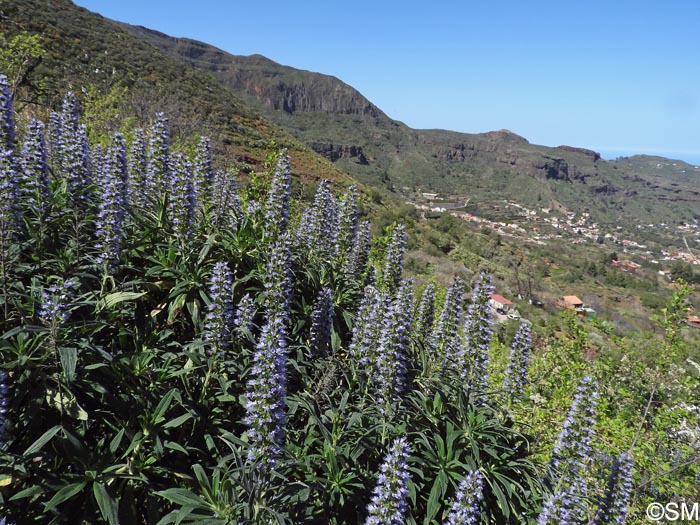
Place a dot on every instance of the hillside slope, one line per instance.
(128, 77)
(340, 123)
(246, 103)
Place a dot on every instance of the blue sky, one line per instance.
(621, 76)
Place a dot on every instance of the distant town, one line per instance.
(543, 225)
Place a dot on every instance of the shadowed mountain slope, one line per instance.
(341, 124)
(249, 101)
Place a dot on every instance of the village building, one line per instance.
(499, 302)
(626, 266)
(571, 302)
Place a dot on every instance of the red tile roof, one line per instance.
(572, 300)
(500, 299)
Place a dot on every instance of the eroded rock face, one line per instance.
(501, 148)
(293, 98)
(334, 152)
(606, 189)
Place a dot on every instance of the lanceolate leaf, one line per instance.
(69, 361)
(65, 494)
(45, 438)
(109, 507)
(111, 300)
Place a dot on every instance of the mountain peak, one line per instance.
(506, 135)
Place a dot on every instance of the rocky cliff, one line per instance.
(335, 152)
(509, 151)
(276, 86)
(337, 121)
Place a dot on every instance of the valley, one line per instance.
(234, 291)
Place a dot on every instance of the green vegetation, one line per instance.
(126, 393)
(132, 393)
(334, 119)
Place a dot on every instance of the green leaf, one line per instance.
(172, 445)
(178, 421)
(175, 307)
(69, 361)
(347, 318)
(114, 444)
(436, 497)
(135, 442)
(28, 493)
(109, 507)
(170, 517)
(45, 438)
(113, 299)
(163, 406)
(203, 481)
(183, 497)
(65, 494)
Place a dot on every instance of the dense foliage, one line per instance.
(179, 349)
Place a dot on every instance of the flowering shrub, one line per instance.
(465, 509)
(388, 505)
(178, 346)
(516, 372)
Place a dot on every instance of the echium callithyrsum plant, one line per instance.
(389, 368)
(516, 371)
(265, 406)
(388, 505)
(35, 184)
(159, 179)
(225, 203)
(278, 279)
(9, 196)
(9, 182)
(318, 227)
(243, 318)
(358, 256)
(54, 143)
(366, 330)
(138, 168)
(203, 169)
(473, 357)
(277, 206)
(425, 317)
(183, 201)
(219, 320)
(445, 338)
(565, 506)
(395, 253)
(73, 153)
(7, 119)
(613, 507)
(347, 221)
(113, 203)
(4, 403)
(465, 506)
(573, 449)
(321, 324)
(55, 303)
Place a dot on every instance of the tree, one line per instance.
(19, 56)
(683, 270)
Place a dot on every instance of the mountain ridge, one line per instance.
(335, 96)
(377, 150)
(253, 100)
(95, 57)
